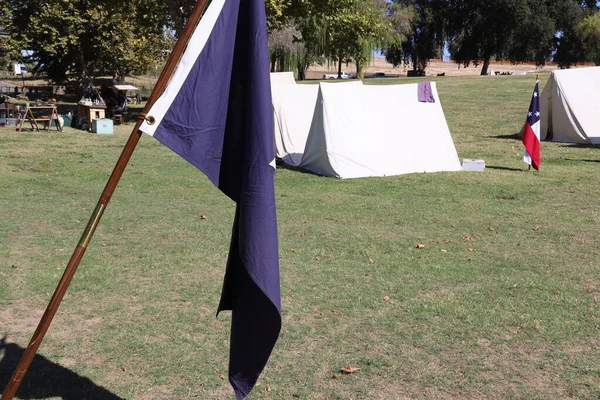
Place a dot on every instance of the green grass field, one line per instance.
(502, 302)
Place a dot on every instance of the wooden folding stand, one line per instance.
(29, 116)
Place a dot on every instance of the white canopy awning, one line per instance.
(125, 87)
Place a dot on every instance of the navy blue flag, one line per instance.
(217, 114)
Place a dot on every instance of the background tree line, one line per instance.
(77, 40)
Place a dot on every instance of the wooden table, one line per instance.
(29, 115)
(91, 112)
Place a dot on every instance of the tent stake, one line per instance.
(46, 320)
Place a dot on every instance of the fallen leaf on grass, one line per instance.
(420, 245)
(514, 329)
(466, 238)
(293, 249)
(447, 241)
(203, 217)
(371, 261)
(14, 266)
(536, 228)
(387, 299)
(350, 369)
(470, 250)
(492, 228)
(334, 376)
(444, 251)
(301, 234)
(222, 376)
(121, 228)
(318, 258)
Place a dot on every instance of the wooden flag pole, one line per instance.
(109, 189)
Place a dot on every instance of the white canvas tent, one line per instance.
(570, 106)
(294, 107)
(365, 130)
(282, 78)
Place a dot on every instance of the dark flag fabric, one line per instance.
(531, 131)
(217, 114)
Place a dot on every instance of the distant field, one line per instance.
(378, 64)
(502, 301)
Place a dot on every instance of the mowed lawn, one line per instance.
(501, 301)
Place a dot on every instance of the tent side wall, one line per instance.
(282, 78)
(293, 106)
(338, 106)
(546, 110)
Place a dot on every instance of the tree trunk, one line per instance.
(301, 71)
(486, 64)
(340, 66)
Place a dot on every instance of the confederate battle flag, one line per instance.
(531, 131)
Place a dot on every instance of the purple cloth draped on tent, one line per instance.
(424, 93)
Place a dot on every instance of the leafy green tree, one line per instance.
(9, 50)
(283, 48)
(354, 33)
(175, 12)
(569, 48)
(76, 40)
(533, 35)
(516, 30)
(278, 13)
(420, 25)
(342, 30)
(588, 31)
(480, 30)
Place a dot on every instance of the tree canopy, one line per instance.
(76, 40)
(420, 26)
(589, 32)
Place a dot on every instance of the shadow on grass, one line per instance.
(581, 145)
(514, 136)
(575, 160)
(45, 379)
(505, 168)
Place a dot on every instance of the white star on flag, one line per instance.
(535, 94)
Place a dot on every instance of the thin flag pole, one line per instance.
(46, 320)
